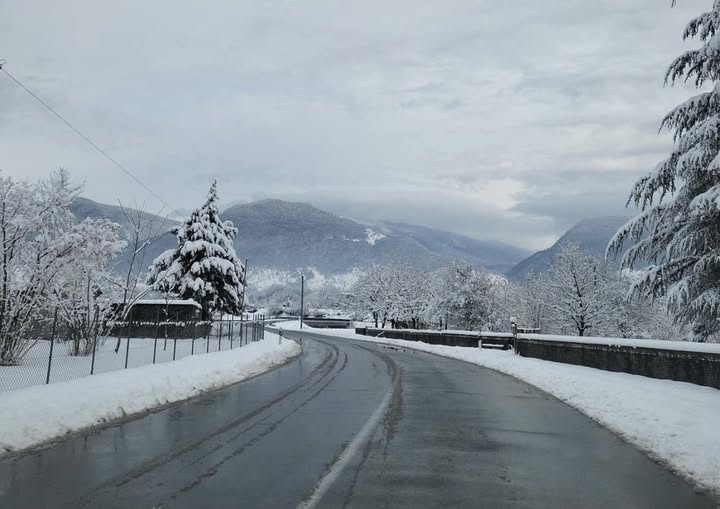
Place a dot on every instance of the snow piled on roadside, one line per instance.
(674, 423)
(38, 414)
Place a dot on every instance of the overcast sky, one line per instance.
(508, 120)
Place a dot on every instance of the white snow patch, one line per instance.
(37, 414)
(265, 278)
(373, 236)
(260, 279)
(673, 422)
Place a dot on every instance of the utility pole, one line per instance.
(302, 298)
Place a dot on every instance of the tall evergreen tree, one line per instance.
(678, 228)
(203, 266)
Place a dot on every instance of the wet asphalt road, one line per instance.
(452, 435)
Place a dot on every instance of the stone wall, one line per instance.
(447, 338)
(694, 367)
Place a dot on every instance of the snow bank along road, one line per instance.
(352, 424)
(34, 415)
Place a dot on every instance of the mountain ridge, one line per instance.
(291, 236)
(593, 235)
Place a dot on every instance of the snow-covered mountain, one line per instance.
(494, 255)
(288, 235)
(592, 234)
(82, 208)
(281, 238)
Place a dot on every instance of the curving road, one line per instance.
(351, 424)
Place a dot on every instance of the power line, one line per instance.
(126, 171)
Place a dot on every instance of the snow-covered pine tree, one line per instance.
(678, 228)
(203, 266)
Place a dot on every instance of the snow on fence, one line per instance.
(137, 344)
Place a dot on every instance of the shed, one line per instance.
(149, 310)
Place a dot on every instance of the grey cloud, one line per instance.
(565, 208)
(393, 110)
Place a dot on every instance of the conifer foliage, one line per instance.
(678, 228)
(203, 266)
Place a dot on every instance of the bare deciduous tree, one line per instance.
(35, 244)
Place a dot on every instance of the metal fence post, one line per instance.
(167, 322)
(514, 332)
(127, 345)
(157, 334)
(52, 344)
(175, 338)
(220, 333)
(92, 363)
(230, 326)
(207, 345)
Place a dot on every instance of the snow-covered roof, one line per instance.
(187, 302)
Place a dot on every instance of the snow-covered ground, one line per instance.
(34, 366)
(675, 423)
(262, 278)
(34, 415)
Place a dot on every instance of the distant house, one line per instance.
(151, 310)
(151, 318)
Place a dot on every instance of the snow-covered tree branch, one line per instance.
(36, 243)
(678, 229)
(83, 291)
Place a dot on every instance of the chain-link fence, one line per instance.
(57, 356)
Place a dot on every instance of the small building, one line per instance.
(149, 318)
(151, 310)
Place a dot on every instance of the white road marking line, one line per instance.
(353, 447)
